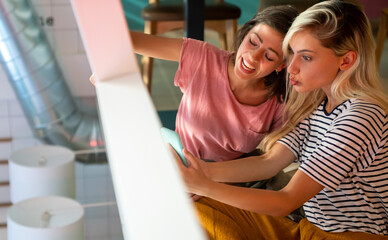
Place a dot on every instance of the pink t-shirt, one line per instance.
(211, 122)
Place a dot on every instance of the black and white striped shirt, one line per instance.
(346, 151)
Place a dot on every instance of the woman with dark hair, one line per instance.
(231, 99)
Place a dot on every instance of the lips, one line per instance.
(293, 80)
(246, 66)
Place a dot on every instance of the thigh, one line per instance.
(222, 221)
(309, 231)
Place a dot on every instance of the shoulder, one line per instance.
(204, 48)
(359, 124)
(199, 63)
(359, 105)
(362, 112)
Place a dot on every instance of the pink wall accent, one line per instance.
(373, 7)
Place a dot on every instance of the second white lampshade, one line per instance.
(46, 218)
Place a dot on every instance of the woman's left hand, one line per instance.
(92, 79)
(194, 175)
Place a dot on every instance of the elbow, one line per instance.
(284, 203)
(281, 212)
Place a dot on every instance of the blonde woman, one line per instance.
(337, 129)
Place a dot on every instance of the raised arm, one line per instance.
(156, 46)
(279, 203)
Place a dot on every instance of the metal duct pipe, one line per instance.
(39, 83)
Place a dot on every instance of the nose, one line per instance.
(292, 67)
(256, 54)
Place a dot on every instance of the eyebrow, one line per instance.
(300, 51)
(305, 50)
(261, 41)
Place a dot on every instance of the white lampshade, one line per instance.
(41, 171)
(46, 218)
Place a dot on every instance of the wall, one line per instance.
(57, 19)
(93, 181)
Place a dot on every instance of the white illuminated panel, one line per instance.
(150, 195)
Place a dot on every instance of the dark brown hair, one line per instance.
(279, 18)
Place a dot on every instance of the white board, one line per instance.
(150, 194)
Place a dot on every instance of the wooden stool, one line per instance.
(164, 16)
(301, 5)
(381, 35)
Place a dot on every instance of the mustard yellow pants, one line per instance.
(224, 222)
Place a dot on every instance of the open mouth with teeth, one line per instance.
(246, 66)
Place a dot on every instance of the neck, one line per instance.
(331, 104)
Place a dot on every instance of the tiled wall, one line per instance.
(13, 124)
(58, 22)
(94, 184)
(57, 19)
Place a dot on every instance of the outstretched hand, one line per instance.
(194, 175)
(92, 80)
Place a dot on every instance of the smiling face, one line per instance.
(259, 54)
(311, 66)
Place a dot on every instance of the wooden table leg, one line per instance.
(381, 35)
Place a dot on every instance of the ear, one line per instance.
(281, 67)
(348, 60)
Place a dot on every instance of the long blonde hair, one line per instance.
(342, 27)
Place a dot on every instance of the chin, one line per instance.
(301, 89)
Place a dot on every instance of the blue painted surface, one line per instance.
(132, 9)
(168, 118)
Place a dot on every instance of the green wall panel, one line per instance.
(132, 9)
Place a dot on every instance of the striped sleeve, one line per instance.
(349, 145)
(291, 142)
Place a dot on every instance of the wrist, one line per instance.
(208, 188)
(209, 170)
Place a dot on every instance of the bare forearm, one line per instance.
(198, 179)
(242, 170)
(275, 203)
(156, 46)
(300, 189)
(252, 168)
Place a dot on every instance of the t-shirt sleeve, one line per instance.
(292, 141)
(349, 146)
(189, 62)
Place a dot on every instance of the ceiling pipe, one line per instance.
(40, 87)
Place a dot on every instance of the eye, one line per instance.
(290, 52)
(290, 56)
(306, 58)
(268, 58)
(252, 43)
